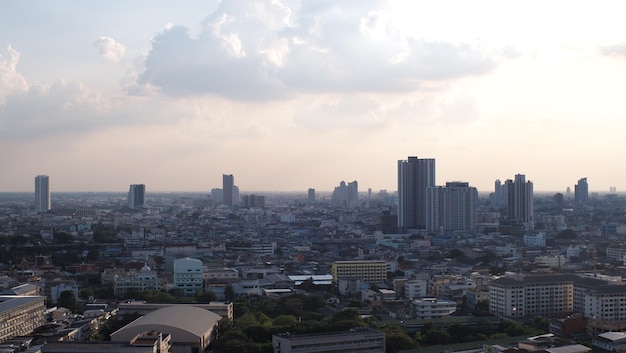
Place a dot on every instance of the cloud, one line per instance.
(10, 79)
(267, 50)
(349, 112)
(614, 50)
(110, 49)
(47, 110)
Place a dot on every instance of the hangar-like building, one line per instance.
(192, 329)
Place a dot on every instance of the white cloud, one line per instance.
(10, 79)
(110, 49)
(266, 50)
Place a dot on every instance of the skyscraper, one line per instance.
(228, 183)
(520, 201)
(414, 176)
(42, 193)
(311, 195)
(136, 195)
(581, 190)
(451, 208)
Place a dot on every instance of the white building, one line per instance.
(538, 239)
(415, 288)
(552, 261)
(431, 308)
(188, 275)
(146, 279)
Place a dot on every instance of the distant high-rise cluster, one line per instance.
(346, 193)
(451, 208)
(415, 175)
(581, 191)
(253, 201)
(520, 201)
(136, 195)
(42, 193)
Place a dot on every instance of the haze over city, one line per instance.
(288, 95)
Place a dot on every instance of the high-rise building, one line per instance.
(581, 191)
(42, 193)
(228, 183)
(311, 195)
(346, 193)
(136, 195)
(520, 201)
(415, 175)
(451, 208)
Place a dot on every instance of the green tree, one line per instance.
(206, 297)
(229, 293)
(85, 293)
(67, 299)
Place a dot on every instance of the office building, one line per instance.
(520, 201)
(374, 271)
(42, 193)
(581, 191)
(228, 184)
(451, 208)
(415, 175)
(354, 341)
(136, 195)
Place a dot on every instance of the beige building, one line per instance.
(374, 271)
(20, 315)
(145, 342)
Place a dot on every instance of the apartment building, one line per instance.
(520, 296)
(373, 271)
(431, 308)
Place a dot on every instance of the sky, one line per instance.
(288, 95)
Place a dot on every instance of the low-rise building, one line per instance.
(431, 308)
(362, 340)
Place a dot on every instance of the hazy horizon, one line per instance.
(291, 95)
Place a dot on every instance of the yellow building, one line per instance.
(374, 271)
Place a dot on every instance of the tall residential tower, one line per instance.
(520, 201)
(415, 175)
(136, 195)
(228, 185)
(42, 193)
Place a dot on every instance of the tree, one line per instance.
(206, 297)
(85, 293)
(67, 299)
(229, 293)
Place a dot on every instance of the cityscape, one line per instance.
(297, 176)
(425, 266)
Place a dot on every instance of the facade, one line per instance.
(524, 296)
(311, 195)
(20, 315)
(136, 195)
(146, 279)
(581, 190)
(415, 288)
(451, 208)
(145, 342)
(188, 275)
(520, 201)
(415, 175)
(355, 341)
(42, 193)
(431, 308)
(374, 271)
(253, 201)
(228, 185)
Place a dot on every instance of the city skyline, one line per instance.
(290, 95)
